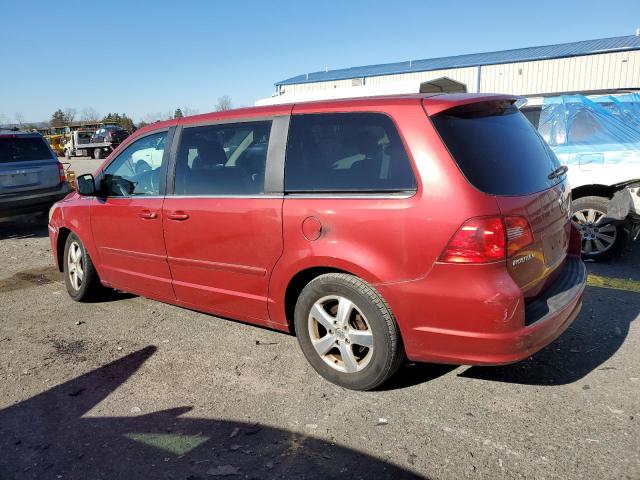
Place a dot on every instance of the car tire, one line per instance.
(97, 153)
(597, 244)
(80, 276)
(354, 340)
(67, 154)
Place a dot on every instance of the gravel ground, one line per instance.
(131, 388)
(82, 165)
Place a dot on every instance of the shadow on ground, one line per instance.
(47, 436)
(26, 226)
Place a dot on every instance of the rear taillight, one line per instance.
(487, 239)
(61, 174)
(519, 234)
(478, 240)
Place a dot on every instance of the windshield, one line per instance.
(23, 149)
(497, 148)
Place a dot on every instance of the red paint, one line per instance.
(236, 256)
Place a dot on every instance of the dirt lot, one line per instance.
(82, 165)
(131, 388)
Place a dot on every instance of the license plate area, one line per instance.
(22, 179)
(554, 247)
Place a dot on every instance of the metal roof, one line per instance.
(561, 50)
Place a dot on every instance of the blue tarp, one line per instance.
(603, 130)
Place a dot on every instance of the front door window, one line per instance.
(136, 170)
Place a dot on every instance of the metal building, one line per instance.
(586, 66)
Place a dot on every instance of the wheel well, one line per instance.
(62, 239)
(592, 190)
(295, 287)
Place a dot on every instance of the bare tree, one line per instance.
(70, 115)
(187, 111)
(19, 118)
(157, 117)
(89, 114)
(224, 103)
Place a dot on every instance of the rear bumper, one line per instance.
(483, 328)
(32, 201)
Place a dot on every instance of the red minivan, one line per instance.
(428, 228)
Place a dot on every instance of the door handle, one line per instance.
(177, 215)
(148, 215)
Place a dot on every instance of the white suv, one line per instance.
(598, 138)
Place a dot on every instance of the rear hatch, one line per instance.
(26, 163)
(501, 154)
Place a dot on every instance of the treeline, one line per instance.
(64, 118)
(70, 116)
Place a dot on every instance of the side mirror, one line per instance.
(86, 185)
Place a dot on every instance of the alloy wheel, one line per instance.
(340, 334)
(75, 264)
(596, 239)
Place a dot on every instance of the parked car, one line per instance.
(31, 178)
(598, 139)
(109, 133)
(430, 228)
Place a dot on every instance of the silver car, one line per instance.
(31, 177)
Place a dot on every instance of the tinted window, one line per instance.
(346, 152)
(497, 149)
(224, 159)
(532, 114)
(21, 149)
(137, 169)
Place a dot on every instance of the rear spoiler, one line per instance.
(441, 103)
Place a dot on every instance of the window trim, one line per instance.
(344, 194)
(274, 163)
(169, 141)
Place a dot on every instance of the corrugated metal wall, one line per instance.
(310, 87)
(591, 72)
(465, 75)
(585, 73)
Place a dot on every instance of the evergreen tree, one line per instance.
(178, 113)
(58, 119)
(121, 120)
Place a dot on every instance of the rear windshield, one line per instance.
(21, 149)
(497, 148)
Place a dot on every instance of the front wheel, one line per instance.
(347, 332)
(80, 276)
(598, 242)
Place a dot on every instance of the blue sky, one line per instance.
(146, 57)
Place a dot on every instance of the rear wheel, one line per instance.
(80, 276)
(347, 332)
(97, 153)
(598, 242)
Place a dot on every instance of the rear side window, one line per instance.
(227, 159)
(346, 152)
(23, 149)
(497, 148)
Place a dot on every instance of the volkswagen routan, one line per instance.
(377, 230)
